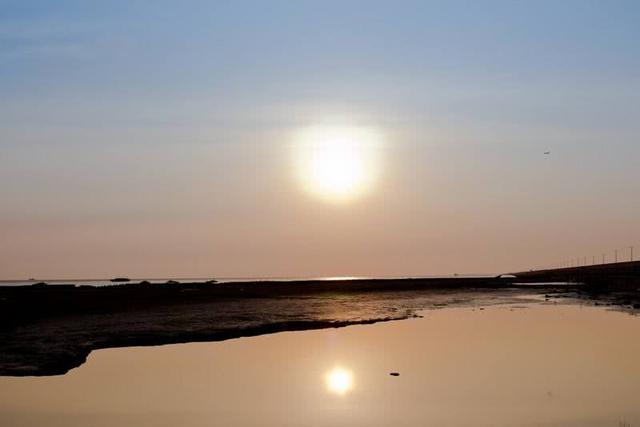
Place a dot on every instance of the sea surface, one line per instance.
(108, 282)
(529, 364)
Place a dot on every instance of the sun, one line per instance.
(337, 163)
(339, 381)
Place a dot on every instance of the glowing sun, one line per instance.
(337, 163)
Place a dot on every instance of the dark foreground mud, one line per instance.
(50, 331)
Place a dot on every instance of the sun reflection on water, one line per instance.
(339, 380)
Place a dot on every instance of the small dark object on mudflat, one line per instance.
(394, 374)
(120, 279)
(145, 282)
(172, 282)
(636, 305)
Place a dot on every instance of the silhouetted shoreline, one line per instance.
(48, 330)
(19, 304)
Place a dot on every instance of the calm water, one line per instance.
(532, 365)
(107, 282)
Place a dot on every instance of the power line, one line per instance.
(582, 261)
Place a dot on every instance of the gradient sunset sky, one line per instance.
(163, 139)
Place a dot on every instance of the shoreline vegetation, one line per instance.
(48, 330)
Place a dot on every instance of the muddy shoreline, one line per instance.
(50, 330)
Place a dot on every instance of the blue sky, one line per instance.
(173, 118)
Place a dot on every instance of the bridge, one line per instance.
(623, 275)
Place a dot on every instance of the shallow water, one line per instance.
(107, 282)
(524, 365)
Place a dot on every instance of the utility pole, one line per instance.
(631, 257)
(616, 252)
(603, 258)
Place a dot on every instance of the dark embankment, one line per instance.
(623, 276)
(47, 330)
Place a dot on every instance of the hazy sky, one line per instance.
(159, 138)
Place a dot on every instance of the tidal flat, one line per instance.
(48, 330)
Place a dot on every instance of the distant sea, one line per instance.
(108, 282)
